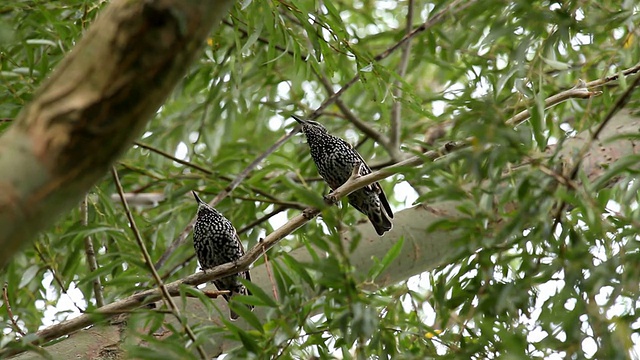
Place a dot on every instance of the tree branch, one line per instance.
(352, 118)
(7, 305)
(619, 105)
(175, 311)
(580, 91)
(82, 119)
(396, 107)
(92, 263)
(169, 156)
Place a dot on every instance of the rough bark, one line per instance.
(422, 251)
(96, 102)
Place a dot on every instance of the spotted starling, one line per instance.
(216, 242)
(335, 160)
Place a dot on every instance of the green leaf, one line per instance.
(260, 294)
(29, 275)
(388, 258)
(246, 314)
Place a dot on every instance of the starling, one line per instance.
(335, 160)
(216, 242)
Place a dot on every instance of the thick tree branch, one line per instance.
(579, 157)
(90, 110)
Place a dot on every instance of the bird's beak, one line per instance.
(299, 120)
(197, 198)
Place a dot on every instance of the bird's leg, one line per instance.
(310, 213)
(215, 294)
(331, 198)
(356, 173)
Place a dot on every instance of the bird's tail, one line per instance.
(380, 221)
(233, 315)
(240, 291)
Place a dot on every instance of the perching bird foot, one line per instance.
(334, 159)
(309, 213)
(330, 199)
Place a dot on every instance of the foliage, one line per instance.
(524, 284)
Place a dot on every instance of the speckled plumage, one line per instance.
(335, 160)
(216, 242)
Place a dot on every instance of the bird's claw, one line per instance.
(330, 199)
(309, 213)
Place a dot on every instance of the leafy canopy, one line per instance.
(527, 280)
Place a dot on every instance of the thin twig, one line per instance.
(169, 156)
(56, 278)
(245, 33)
(147, 259)
(270, 274)
(262, 219)
(352, 118)
(580, 91)
(92, 263)
(7, 304)
(435, 19)
(178, 266)
(608, 79)
(194, 166)
(396, 107)
(283, 203)
(212, 294)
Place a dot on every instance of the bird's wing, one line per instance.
(385, 202)
(246, 274)
(375, 186)
(235, 235)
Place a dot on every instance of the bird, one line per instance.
(216, 242)
(336, 160)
